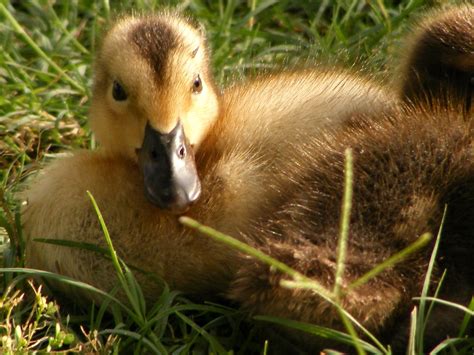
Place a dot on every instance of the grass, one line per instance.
(45, 79)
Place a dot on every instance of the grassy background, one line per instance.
(46, 51)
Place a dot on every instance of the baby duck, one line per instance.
(161, 122)
(409, 163)
(153, 77)
(440, 60)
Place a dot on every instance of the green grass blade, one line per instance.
(135, 289)
(27, 272)
(412, 338)
(299, 278)
(394, 259)
(466, 319)
(321, 332)
(128, 287)
(435, 295)
(111, 250)
(466, 310)
(447, 345)
(424, 293)
(345, 221)
(237, 244)
(96, 249)
(216, 346)
(74, 244)
(69, 35)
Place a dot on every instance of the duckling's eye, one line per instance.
(197, 85)
(118, 92)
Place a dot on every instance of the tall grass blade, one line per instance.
(466, 319)
(412, 338)
(299, 279)
(237, 244)
(26, 272)
(128, 282)
(447, 345)
(421, 321)
(466, 310)
(215, 345)
(345, 221)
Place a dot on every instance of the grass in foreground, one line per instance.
(45, 79)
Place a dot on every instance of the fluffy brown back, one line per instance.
(407, 167)
(439, 67)
(409, 163)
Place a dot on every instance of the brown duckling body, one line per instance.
(399, 193)
(409, 163)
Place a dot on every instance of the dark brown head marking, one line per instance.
(154, 40)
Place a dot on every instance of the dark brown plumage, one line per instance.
(440, 65)
(408, 164)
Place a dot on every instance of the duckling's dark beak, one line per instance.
(169, 170)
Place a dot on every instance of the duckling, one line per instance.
(408, 165)
(152, 75)
(168, 137)
(440, 61)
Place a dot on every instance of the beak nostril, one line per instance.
(181, 152)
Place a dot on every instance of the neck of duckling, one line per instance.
(210, 149)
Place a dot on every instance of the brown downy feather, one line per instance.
(408, 164)
(439, 66)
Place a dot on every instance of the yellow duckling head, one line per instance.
(154, 101)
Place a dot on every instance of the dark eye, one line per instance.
(197, 85)
(118, 92)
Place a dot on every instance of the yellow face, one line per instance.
(154, 102)
(151, 70)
